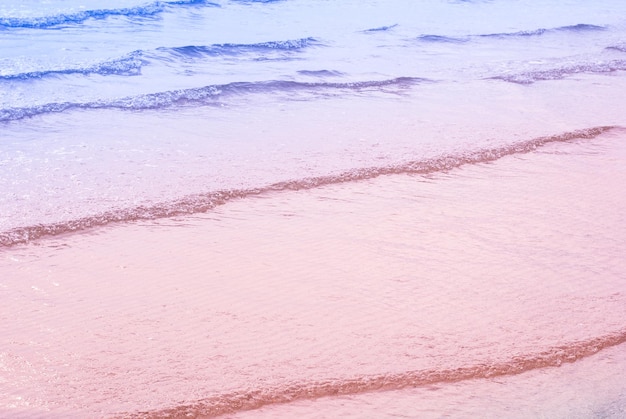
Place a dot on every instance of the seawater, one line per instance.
(254, 202)
(110, 110)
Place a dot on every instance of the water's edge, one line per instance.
(200, 203)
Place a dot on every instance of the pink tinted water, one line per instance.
(402, 281)
(58, 181)
(589, 388)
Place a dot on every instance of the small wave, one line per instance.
(620, 48)
(381, 28)
(129, 65)
(203, 96)
(559, 73)
(235, 49)
(439, 38)
(204, 202)
(230, 403)
(581, 27)
(514, 34)
(146, 10)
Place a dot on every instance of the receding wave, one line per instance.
(253, 399)
(558, 73)
(146, 10)
(205, 95)
(204, 202)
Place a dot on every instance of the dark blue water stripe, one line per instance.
(205, 95)
(147, 10)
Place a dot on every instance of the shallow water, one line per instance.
(589, 388)
(110, 111)
(487, 270)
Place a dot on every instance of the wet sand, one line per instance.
(358, 293)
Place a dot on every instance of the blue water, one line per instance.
(125, 105)
(63, 55)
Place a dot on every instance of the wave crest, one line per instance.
(236, 49)
(579, 28)
(381, 28)
(620, 48)
(439, 38)
(205, 95)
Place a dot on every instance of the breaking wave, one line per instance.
(204, 202)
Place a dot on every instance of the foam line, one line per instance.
(204, 202)
(289, 392)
